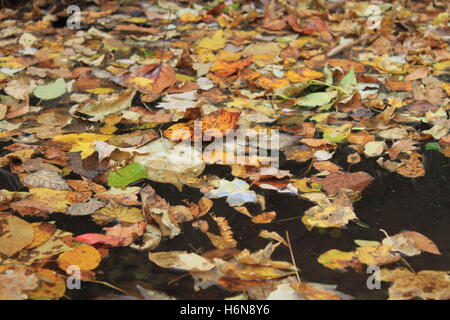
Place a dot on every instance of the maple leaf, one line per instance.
(336, 181)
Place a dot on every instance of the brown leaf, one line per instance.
(336, 181)
(401, 146)
(265, 217)
(425, 284)
(15, 234)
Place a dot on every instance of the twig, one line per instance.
(287, 219)
(114, 287)
(346, 45)
(292, 257)
(407, 264)
(178, 278)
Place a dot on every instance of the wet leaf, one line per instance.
(84, 256)
(15, 234)
(425, 284)
(336, 181)
(126, 175)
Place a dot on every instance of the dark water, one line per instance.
(391, 202)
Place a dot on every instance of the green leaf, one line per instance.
(348, 83)
(328, 74)
(432, 146)
(316, 99)
(126, 175)
(51, 90)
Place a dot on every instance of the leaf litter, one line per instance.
(90, 114)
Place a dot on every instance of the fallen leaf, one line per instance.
(265, 217)
(15, 234)
(84, 256)
(336, 181)
(425, 284)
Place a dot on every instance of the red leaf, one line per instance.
(94, 238)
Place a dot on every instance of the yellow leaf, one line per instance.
(11, 62)
(182, 77)
(100, 90)
(54, 200)
(42, 232)
(216, 42)
(304, 74)
(122, 213)
(442, 65)
(444, 85)
(82, 142)
(228, 55)
(376, 255)
(141, 81)
(337, 134)
(241, 103)
(84, 256)
(337, 259)
(305, 185)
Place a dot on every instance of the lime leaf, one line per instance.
(337, 134)
(126, 175)
(432, 146)
(348, 83)
(51, 90)
(328, 75)
(316, 99)
(364, 243)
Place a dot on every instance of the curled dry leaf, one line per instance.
(225, 240)
(265, 217)
(273, 236)
(150, 240)
(411, 243)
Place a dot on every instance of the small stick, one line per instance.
(407, 264)
(178, 278)
(114, 287)
(292, 257)
(346, 45)
(287, 219)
